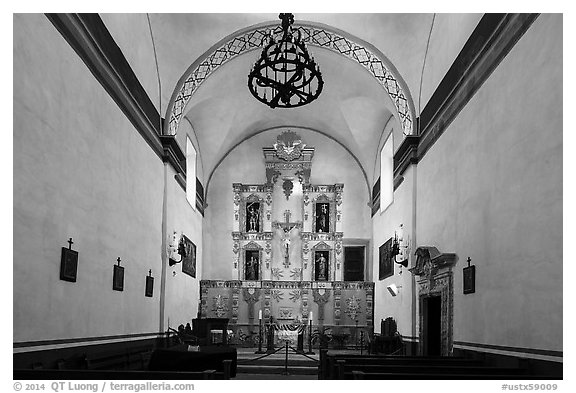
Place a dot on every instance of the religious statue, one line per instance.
(287, 250)
(252, 217)
(322, 217)
(252, 268)
(321, 267)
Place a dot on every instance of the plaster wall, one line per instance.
(491, 189)
(131, 33)
(449, 34)
(245, 164)
(81, 170)
(384, 225)
(182, 290)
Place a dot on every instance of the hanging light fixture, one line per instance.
(285, 76)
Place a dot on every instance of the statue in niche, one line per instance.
(253, 217)
(321, 267)
(323, 217)
(252, 267)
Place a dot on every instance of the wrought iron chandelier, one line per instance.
(285, 76)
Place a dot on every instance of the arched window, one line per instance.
(190, 173)
(387, 173)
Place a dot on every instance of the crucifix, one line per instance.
(287, 215)
(70, 242)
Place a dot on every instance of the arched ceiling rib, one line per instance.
(314, 35)
(352, 109)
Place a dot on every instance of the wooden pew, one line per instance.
(328, 368)
(106, 361)
(131, 359)
(342, 365)
(30, 374)
(404, 376)
(48, 374)
(445, 371)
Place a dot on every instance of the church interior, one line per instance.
(378, 194)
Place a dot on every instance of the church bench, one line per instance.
(138, 358)
(406, 376)
(328, 368)
(345, 369)
(106, 360)
(30, 374)
(131, 359)
(401, 362)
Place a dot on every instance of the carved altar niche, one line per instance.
(322, 254)
(252, 214)
(251, 262)
(434, 270)
(217, 299)
(323, 214)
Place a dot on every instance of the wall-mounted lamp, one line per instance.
(176, 249)
(393, 289)
(400, 247)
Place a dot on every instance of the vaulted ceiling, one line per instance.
(353, 109)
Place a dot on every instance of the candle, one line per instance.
(311, 317)
(260, 315)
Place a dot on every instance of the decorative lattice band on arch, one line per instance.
(311, 35)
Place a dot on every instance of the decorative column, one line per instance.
(236, 254)
(235, 296)
(306, 209)
(369, 288)
(268, 208)
(237, 189)
(337, 303)
(305, 292)
(306, 263)
(266, 271)
(338, 188)
(339, 255)
(266, 308)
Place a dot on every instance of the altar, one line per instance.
(287, 255)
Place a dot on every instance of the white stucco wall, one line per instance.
(491, 189)
(182, 291)
(384, 225)
(81, 170)
(131, 33)
(449, 34)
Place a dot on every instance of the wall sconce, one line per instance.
(393, 289)
(176, 250)
(400, 248)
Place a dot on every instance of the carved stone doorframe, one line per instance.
(436, 279)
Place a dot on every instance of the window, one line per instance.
(190, 173)
(387, 173)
